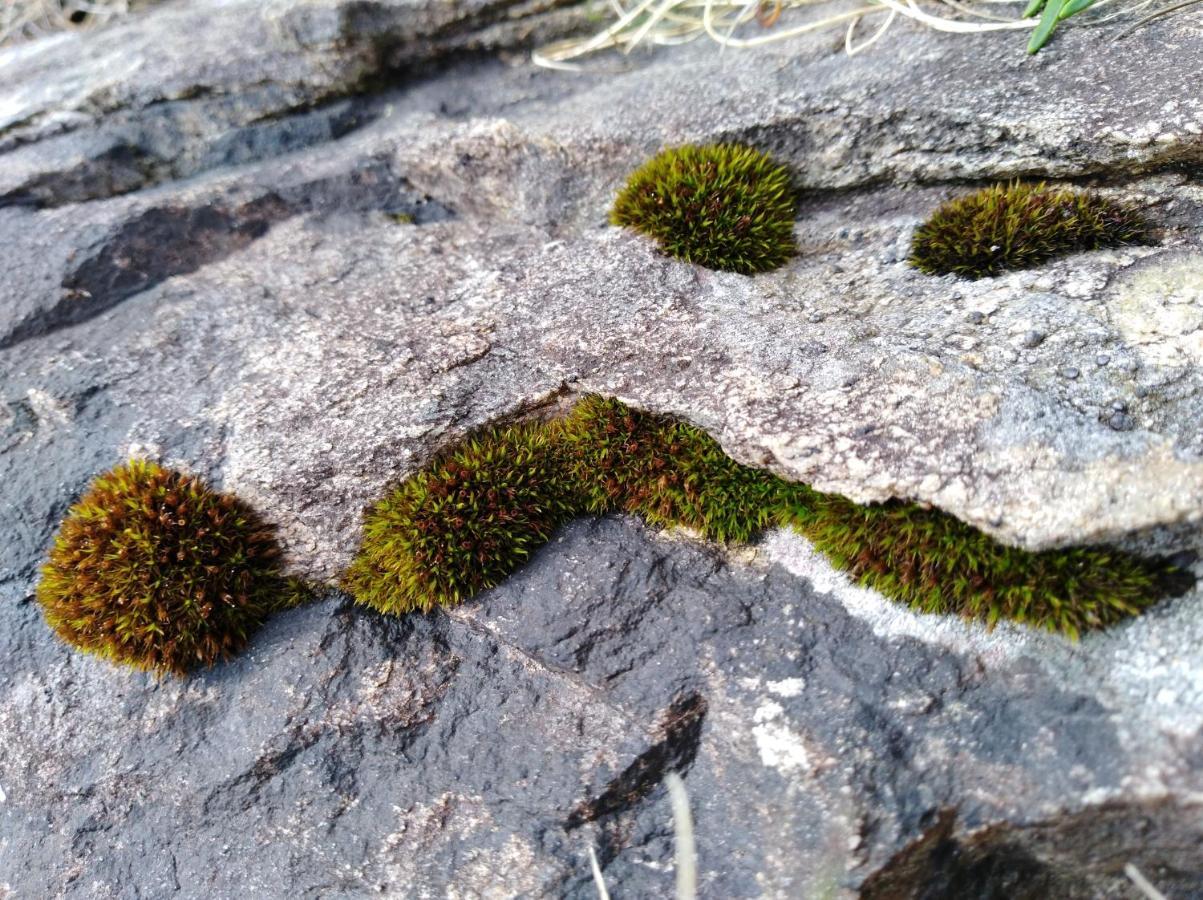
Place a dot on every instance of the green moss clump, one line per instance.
(464, 522)
(1017, 226)
(935, 563)
(664, 470)
(722, 206)
(153, 569)
(474, 515)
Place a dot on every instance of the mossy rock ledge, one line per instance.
(303, 250)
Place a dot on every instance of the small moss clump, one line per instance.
(153, 569)
(722, 206)
(464, 522)
(1017, 226)
(664, 470)
(935, 563)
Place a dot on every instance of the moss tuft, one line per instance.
(153, 569)
(935, 563)
(1017, 226)
(664, 470)
(722, 206)
(473, 516)
(464, 522)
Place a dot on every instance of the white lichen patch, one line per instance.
(49, 410)
(1158, 307)
(787, 687)
(779, 747)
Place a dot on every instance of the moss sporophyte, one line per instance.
(1017, 226)
(722, 206)
(153, 569)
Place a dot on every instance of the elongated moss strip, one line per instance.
(937, 564)
(477, 513)
(1017, 226)
(153, 569)
(465, 522)
(666, 471)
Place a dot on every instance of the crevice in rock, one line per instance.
(500, 25)
(371, 186)
(792, 143)
(118, 169)
(167, 240)
(203, 127)
(681, 735)
(166, 146)
(1077, 856)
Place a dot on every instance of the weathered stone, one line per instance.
(481, 752)
(298, 247)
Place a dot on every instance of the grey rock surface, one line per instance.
(478, 753)
(206, 263)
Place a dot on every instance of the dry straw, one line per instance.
(26, 19)
(752, 23)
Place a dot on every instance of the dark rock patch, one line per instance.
(1077, 856)
(681, 732)
(159, 243)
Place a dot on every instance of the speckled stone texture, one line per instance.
(299, 247)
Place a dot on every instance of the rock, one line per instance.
(299, 247)
(1121, 421)
(1031, 339)
(483, 750)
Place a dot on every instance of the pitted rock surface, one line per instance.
(298, 247)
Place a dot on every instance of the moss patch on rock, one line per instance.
(1017, 226)
(722, 206)
(464, 522)
(153, 569)
(475, 514)
(665, 470)
(936, 563)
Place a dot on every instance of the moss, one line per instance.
(464, 522)
(935, 563)
(722, 206)
(153, 569)
(666, 471)
(474, 515)
(1017, 226)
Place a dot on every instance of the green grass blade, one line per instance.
(1048, 22)
(1073, 7)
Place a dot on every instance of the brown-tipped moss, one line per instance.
(153, 569)
(1017, 226)
(722, 206)
(464, 522)
(664, 470)
(935, 563)
(474, 515)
